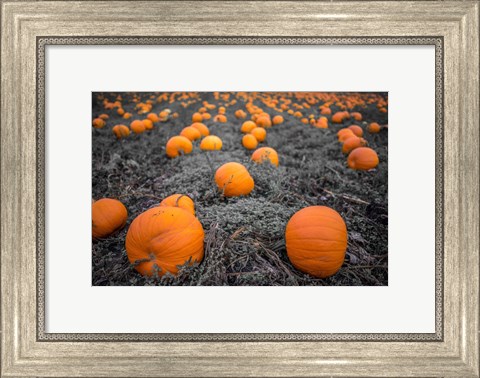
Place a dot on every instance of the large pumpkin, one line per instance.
(179, 200)
(263, 154)
(137, 126)
(177, 145)
(233, 179)
(164, 237)
(316, 241)
(362, 158)
(108, 215)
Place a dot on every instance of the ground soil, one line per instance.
(244, 236)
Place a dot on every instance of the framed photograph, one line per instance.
(240, 188)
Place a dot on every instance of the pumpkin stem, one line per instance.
(178, 199)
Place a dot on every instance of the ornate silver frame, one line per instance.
(30, 26)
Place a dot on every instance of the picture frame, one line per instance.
(27, 27)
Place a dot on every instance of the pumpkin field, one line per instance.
(240, 188)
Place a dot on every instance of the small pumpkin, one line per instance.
(108, 215)
(351, 143)
(98, 123)
(263, 121)
(162, 238)
(197, 117)
(373, 128)
(357, 130)
(263, 154)
(233, 180)
(120, 111)
(316, 241)
(153, 117)
(344, 134)
(322, 123)
(240, 114)
(248, 126)
(249, 142)
(259, 133)
(121, 131)
(148, 124)
(137, 126)
(356, 116)
(277, 120)
(127, 115)
(204, 131)
(180, 200)
(220, 118)
(211, 143)
(177, 145)
(191, 133)
(104, 116)
(362, 158)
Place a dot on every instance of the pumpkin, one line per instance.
(148, 124)
(248, 126)
(120, 111)
(249, 142)
(233, 180)
(108, 215)
(322, 123)
(356, 116)
(206, 116)
(326, 111)
(259, 133)
(191, 133)
(153, 117)
(197, 117)
(373, 128)
(202, 128)
(338, 117)
(344, 134)
(351, 143)
(137, 126)
(263, 154)
(220, 118)
(98, 123)
(263, 121)
(357, 130)
(127, 115)
(121, 131)
(162, 238)
(221, 110)
(178, 145)
(180, 200)
(104, 116)
(316, 241)
(210, 143)
(362, 158)
(240, 114)
(277, 120)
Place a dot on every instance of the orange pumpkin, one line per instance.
(351, 143)
(153, 117)
(344, 134)
(137, 126)
(121, 131)
(178, 145)
(316, 241)
(202, 128)
(206, 116)
(356, 116)
(98, 123)
(373, 128)
(357, 130)
(148, 124)
(108, 215)
(277, 120)
(240, 114)
(363, 158)
(248, 126)
(180, 200)
(322, 123)
(191, 133)
(249, 142)
(163, 238)
(233, 180)
(120, 111)
(263, 121)
(338, 117)
(127, 115)
(259, 133)
(211, 143)
(197, 117)
(104, 116)
(263, 154)
(220, 118)
(326, 111)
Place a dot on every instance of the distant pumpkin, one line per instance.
(163, 238)
(263, 121)
(249, 142)
(211, 143)
(137, 126)
(363, 158)
(121, 131)
(98, 123)
(180, 200)
(373, 128)
(153, 117)
(148, 124)
(191, 133)
(357, 130)
(344, 134)
(240, 114)
(178, 145)
(197, 117)
(104, 116)
(248, 126)
(233, 180)
(263, 154)
(108, 216)
(220, 118)
(316, 241)
(277, 120)
(356, 116)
